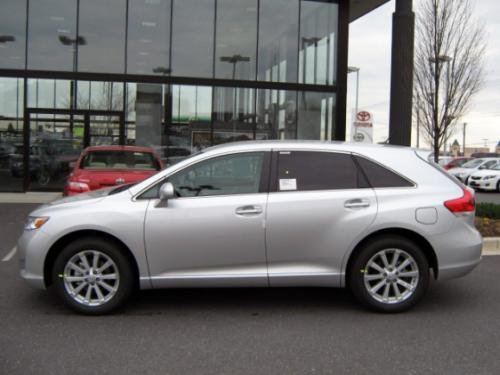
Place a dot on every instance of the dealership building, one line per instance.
(174, 75)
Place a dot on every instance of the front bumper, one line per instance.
(32, 248)
(482, 184)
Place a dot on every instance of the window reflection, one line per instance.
(236, 40)
(318, 41)
(11, 134)
(52, 27)
(234, 114)
(192, 38)
(101, 43)
(278, 42)
(276, 114)
(148, 37)
(316, 113)
(13, 34)
(190, 129)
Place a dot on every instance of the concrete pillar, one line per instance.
(403, 30)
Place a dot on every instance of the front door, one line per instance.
(54, 139)
(213, 233)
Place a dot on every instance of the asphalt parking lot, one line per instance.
(455, 330)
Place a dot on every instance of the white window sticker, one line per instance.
(288, 184)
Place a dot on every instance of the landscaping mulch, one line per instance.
(488, 227)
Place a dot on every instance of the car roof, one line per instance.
(119, 148)
(302, 144)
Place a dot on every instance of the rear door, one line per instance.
(320, 205)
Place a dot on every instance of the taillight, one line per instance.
(77, 187)
(464, 204)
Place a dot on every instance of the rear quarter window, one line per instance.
(381, 177)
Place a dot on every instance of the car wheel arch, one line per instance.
(58, 245)
(426, 247)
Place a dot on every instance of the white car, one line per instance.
(463, 173)
(486, 179)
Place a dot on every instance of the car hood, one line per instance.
(80, 199)
(456, 171)
(485, 172)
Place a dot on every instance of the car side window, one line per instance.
(224, 175)
(381, 177)
(316, 170)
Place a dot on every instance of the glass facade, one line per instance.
(174, 75)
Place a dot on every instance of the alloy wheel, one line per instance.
(91, 278)
(391, 276)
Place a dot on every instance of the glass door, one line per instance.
(55, 142)
(105, 128)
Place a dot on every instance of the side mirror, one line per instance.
(167, 191)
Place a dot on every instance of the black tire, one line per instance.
(358, 268)
(125, 285)
(498, 187)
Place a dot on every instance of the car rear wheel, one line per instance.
(389, 274)
(498, 187)
(93, 276)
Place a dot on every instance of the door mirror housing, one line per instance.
(167, 191)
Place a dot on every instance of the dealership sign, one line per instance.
(362, 127)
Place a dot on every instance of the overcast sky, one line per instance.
(370, 50)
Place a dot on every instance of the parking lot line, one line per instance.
(10, 255)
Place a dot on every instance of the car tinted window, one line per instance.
(310, 170)
(379, 176)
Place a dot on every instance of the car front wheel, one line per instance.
(389, 274)
(93, 276)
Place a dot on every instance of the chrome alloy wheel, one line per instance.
(91, 278)
(391, 276)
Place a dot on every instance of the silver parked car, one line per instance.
(378, 219)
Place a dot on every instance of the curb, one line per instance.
(32, 197)
(491, 246)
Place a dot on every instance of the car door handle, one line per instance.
(357, 203)
(248, 210)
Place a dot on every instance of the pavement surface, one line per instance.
(454, 330)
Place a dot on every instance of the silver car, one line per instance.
(378, 219)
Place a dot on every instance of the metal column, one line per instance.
(403, 30)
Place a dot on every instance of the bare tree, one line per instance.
(449, 66)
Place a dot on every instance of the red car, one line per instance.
(103, 166)
(455, 163)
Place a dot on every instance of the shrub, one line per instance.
(489, 210)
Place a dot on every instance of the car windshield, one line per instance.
(473, 163)
(120, 160)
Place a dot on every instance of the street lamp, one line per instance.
(7, 38)
(162, 70)
(354, 69)
(74, 42)
(308, 41)
(234, 59)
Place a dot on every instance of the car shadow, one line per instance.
(443, 297)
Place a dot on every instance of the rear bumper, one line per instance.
(458, 252)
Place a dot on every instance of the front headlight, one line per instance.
(489, 177)
(33, 223)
